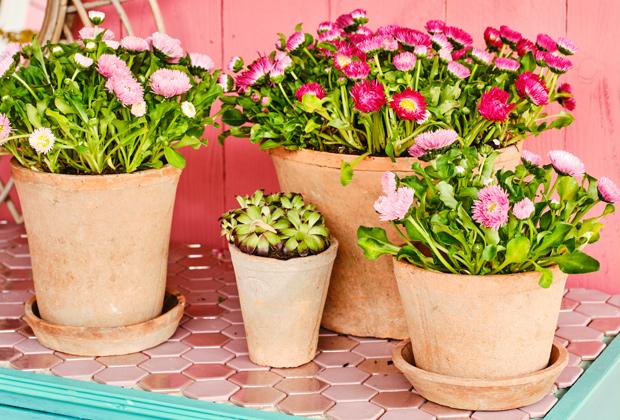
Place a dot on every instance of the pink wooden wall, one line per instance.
(223, 28)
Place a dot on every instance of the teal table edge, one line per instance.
(596, 395)
(30, 395)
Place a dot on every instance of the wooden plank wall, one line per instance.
(223, 28)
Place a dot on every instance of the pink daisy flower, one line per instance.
(281, 62)
(341, 60)
(532, 87)
(458, 54)
(127, 89)
(91, 32)
(312, 88)
(82, 60)
(523, 209)
(368, 95)
(113, 45)
(356, 70)
(389, 43)
(260, 68)
(492, 38)
(135, 43)
(295, 41)
(421, 51)
(225, 82)
(441, 41)
(331, 35)
(235, 64)
(531, 158)
(411, 37)
(388, 30)
(359, 16)
(508, 35)
(445, 54)
(169, 83)
(167, 45)
(109, 65)
(324, 27)
(494, 105)
(491, 207)
(395, 204)
(566, 163)
(5, 127)
(5, 65)
(405, 61)
(201, 61)
(409, 105)
(458, 37)
(546, 43)
(566, 46)
(370, 44)
(608, 191)
(557, 64)
(432, 140)
(524, 46)
(345, 21)
(507, 64)
(458, 70)
(569, 102)
(481, 56)
(435, 26)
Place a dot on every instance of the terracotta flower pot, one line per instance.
(479, 327)
(282, 303)
(363, 298)
(99, 244)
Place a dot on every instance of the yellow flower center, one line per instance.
(491, 207)
(408, 105)
(343, 60)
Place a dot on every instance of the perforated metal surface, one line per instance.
(351, 377)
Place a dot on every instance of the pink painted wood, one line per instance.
(223, 28)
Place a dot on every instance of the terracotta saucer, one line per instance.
(108, 341)
(481, 394)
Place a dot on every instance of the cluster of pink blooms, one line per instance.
(395, 202)
(120, 80)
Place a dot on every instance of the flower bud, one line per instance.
(235, 64)
(96, 17)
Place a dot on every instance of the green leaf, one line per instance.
(567, 188)
(63, 106)
(446, 194)
(338, 123)
(565, 119)
(311, 103)
(374, 242)
(577, 262)
(528, 62)
(233, 117)
(489, 252)
(33, 115)
(311, 126)
(346, 173)
(174, 158)
(555, 238)
(517, 250)
(546, 277)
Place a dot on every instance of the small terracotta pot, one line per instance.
(481, 327)
(99, 244)
(282, 303)
(363, 298)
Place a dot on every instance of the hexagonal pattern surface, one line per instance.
(207, 357)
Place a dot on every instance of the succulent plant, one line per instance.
(280, 225)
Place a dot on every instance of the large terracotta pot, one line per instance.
(363, 299)
(282, 302)
(99, 244)
(481, 327)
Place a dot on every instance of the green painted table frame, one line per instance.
(25, 395)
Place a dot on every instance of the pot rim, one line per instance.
(327, 253)
(557, 365)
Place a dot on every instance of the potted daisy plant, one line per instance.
(94, 128)
(348, 103)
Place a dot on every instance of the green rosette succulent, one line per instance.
(281, 226)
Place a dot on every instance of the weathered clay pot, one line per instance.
(99, 244)
(282, 303)
(481, 394)
(480, 327)
(363, 299)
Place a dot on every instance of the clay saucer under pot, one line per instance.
(108, 341)
(480, 394)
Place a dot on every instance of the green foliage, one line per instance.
(278, 226)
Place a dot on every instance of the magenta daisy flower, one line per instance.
(169, 83)
(368, 95)
(546, 43)
(509, 35)
(389, 43)
(387, 30)
(405, 61)
(432, 140)
(566, 163)
(566, 46)
(312, 88)
(441, 41)
(412, 37)
(135, 44)
(345, 21)
(530, 86)
(356, 70)
(523, 209)
(435, 26)
(492, 38)
(331, 35)
(507, 64)
(370, 44)
(458, 54)
(458, 37)
(281, 62)
(531, 158)
(109, 65)
(458, 70)
(567, 102)
(295, 41)
(494, 105)
(491, 208)
(395, 203)
(557, 64)
(481, 56)
(324, 27)
(608, 191)
(167, 45)
(524, 46)
(5, 127)
(359, 16)
(409, 105)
